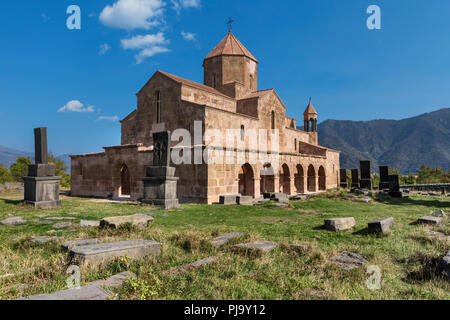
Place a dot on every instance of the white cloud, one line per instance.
(185, 4)
(139, 42)
(108, 118)
(104, 48)
(149, 45)
(133, 14)
(75, 106)
(188, 36)
(149, 52)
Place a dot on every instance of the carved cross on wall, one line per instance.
(160, 149)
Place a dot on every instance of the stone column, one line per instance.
(292, 183)
(276, 183)
(257, 186)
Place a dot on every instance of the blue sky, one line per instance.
(318, 48)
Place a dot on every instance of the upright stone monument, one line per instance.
(41, 185)
(160, 183)
(343, 178)
(394, 186)
(384, 178)
(355, 179)
(366, 180)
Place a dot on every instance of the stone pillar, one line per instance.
(257, 186)
(292, 185)
(305, 183)
(276, 183)
(41, 187)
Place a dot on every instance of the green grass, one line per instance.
(408, 259)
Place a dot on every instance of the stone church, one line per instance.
(229, 98)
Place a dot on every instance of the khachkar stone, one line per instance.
(366, 180)
(384, 178)
(355, 179)
(41, 184)
(343, 182)
(160, 184)
(394, 186)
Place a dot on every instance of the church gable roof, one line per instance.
(230, 46)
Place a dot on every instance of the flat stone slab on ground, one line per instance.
(228, 200)
(439, 213)
(94, 255)
(338, 224)
(61, 218)
(89, 223)
(78, 243)
(44, 222)
(245, 200)
(430, 220)
(14, 221)
(40, 216)
(42, 239)
(62, 225)
(349, 260)
(93, 291)
(381, 225)
(264, 246)
(300, 197)
(190, 267)
(139, 220)
(223, 239)
(438, 235)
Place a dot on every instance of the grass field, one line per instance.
(407, 257)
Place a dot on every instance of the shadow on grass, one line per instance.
(14, 202)
(362, 232)
(424, 267)
(409, 201)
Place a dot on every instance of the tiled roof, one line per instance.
(310, 109)
(230, 45)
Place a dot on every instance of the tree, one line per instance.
(60, 171)
(427, 175)
(5, 175)
(19, 169)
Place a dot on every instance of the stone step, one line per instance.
(228, 200)
(95, 255)
(338, 224)
(245, 200)
(139, 220)
(381, 225)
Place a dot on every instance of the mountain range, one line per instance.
(8, 156)
(401, 144)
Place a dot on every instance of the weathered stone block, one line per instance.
(62, 225)
(381, 226)
(338, 224)
(94, 255)
(349, 260)
(42, 239)
(222, 240)
(42, 191)
(439, 213)
(245, 200)
(446, 264)
(89, 223)
(228, 200)
(139, 220)
(84, 293)
(430, 220)
(14, 221)
(190, 267)
(263, 246)
(41, 170)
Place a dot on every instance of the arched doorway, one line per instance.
(285, 179)
(246, 181)
(125, 181)
(267, 179)
(311, 179)
(322, 179)
(300, 179)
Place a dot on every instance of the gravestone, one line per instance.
(349, 260)
(139, 220)
(160, 183)
(343, 179)
(381, 225)
(355, 179)
(218, 242)
(339, 224)
(394, 186)
(384, 178)
(366, 180)
(41, 185)
(190, 267)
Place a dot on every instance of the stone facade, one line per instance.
(228, 99)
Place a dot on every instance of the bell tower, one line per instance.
(230, 68)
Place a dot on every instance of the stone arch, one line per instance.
(300, 179)
(247, 181)
(322, 179)
(125, 181)
(311, 178)
(285, 179)
(267, 179)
